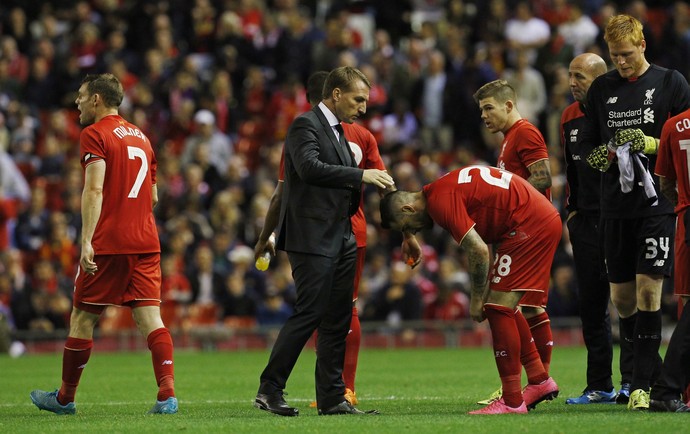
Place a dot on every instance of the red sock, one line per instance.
(529, 357)
(161, 346)
(540, 326)
(74, 357)
(506, 344)
(352, 343)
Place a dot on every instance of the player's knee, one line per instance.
(649, 300)
(625, 305)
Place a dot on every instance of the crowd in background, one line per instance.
(215, 85)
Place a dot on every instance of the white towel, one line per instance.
(627, 163)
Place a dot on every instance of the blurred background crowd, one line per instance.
(215, 84)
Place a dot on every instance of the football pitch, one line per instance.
(416, 391)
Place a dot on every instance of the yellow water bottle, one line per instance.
(263, 261)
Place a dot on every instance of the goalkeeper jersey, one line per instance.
(644, 102)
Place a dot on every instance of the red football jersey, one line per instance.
(522, 146)
(366, 153)
(126, 224)
(673, 157)
(496, 203)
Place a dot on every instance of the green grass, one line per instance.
(418, 391)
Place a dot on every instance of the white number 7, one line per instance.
(134, 152)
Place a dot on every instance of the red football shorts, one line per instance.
(523, 262)
(120, 280)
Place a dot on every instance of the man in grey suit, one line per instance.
(322, 190)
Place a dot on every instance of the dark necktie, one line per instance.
(345, 146)
(356, 194)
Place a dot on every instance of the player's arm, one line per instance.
(540, 175)
(668, 189)
(478, 260)
(92, 202)
(270, 223)
(154, 196)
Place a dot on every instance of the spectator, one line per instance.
(206, 283)
(13, 185)
(254, 281)
(563, 292)
(31, 230)
(17, 62)
(529, 87)
(237, 305)
(524, 31)
(578, 30)
(398, 300)
(431, 102)
(273, 311)
(176, 292)
(49, 300)
(220, 146)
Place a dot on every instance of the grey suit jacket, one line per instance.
(322, 185)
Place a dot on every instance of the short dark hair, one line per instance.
(315, 86)
(343, 78)
(499, 89)
(386, 208)
(107, 86)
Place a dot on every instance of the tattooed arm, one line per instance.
(478, 258)
(540, 177)
(668, 189)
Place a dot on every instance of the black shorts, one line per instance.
(638, 246)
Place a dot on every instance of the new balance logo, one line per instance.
(659, 263)
(167, 362)
(612, 100)
(82, 366)
(549, 344)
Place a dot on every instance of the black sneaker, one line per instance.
(623, 394)
(670, 406)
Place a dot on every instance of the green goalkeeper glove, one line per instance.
(600, 158)
(637, 140)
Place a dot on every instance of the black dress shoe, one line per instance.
(274, 403)
(344, 408)
(670, 406)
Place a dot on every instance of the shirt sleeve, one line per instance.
(532, 147)
(91, 147)
(664, 160)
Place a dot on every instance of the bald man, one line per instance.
(582, 204)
